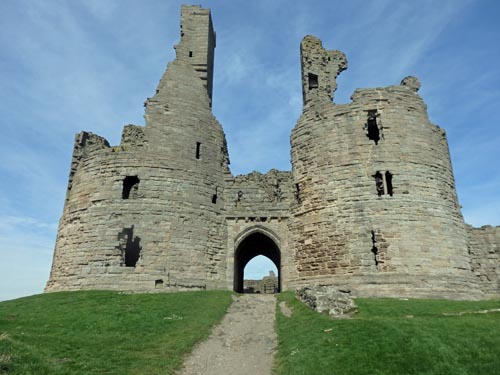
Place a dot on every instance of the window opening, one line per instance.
(374, 248)
(383, 183)
(130, 184)
(297, 193)
(158, 283)
(190, 53)
(198, 150)
(313, 81)
(379, 183)
(214, 197)
(130, 246)
(373, 132)
(388, 182)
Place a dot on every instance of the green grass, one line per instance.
(390, 337)
(98, 332)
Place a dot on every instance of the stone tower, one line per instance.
(377, 206)
(148, 213)
(370, 204)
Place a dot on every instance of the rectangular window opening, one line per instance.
(313, 81)
(190, 53)
(130, 185)
(383, 183)
(198, 150)
(373, 131)
(158, 283)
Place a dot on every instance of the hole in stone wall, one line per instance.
(374, 248)
(214, 197)
(130, 184)
(190, 53)
(297, 193)
(388, 182)
(313, 81)
(129, 246)
(379, 183)
(373, 131)
(158, 283)
(198, 150)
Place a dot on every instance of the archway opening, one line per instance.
(252, 246)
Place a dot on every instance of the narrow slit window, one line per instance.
(130, 186)
(374, 249)
(297, 193)
(388, 182)
(190, 53)
(198, 150)
(379, 183)
(373, 131)
(313, 81)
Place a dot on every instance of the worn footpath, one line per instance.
(243, 343)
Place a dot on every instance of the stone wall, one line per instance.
(267, 285)
(484, 248)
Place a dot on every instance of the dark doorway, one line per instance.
(255, 244)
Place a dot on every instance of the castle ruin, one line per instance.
(370, 204)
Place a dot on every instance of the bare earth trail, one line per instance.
(243, 343)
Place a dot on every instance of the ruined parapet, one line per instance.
(85, 142)
(320, 69)
(133, 136)
(259, 193)
(484, 249)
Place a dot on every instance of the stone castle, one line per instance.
(370, 204)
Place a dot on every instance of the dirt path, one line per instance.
(243, 343)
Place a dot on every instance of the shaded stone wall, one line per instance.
(484, 248)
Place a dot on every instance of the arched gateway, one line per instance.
(257, 241)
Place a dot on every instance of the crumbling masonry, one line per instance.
(370, 204)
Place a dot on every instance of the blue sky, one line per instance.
(67, 66)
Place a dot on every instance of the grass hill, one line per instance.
(98, 332)
(392, 337)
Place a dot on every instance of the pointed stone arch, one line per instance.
(254, 241)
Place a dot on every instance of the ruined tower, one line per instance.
(148, 213)
(370, 204)
(377, 208)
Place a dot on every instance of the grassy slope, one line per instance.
(97, 332)
(391, 337)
